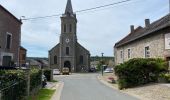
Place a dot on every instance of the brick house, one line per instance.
(10, 38)
(151, 41)
(22, 56)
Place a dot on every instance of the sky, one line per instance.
(97, 30)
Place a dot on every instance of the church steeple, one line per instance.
(69, 8)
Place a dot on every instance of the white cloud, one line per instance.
(98, 30)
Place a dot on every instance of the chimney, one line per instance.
(132, 28)
(147, 22)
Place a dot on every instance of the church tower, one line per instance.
(68, 52)
(68, 38)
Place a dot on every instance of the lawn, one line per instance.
(43, 94)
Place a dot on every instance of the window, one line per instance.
(65, 27)
(81, 59)
(147, 52)
(129, 53)
(55, 59)
(70, 27)
(8, 41)
(121, 54)
(67, 50)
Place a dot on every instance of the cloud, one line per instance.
(98, 30)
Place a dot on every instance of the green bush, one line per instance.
(10, 77)
(47, 73)
(165, 77)
(35, 78)
(139, 71)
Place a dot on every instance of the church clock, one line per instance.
(67, 40)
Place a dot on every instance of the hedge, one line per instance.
(48, 73)
(139, 71)
(10, 77)
(164, 77)
(35, 78)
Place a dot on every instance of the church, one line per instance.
(68, 52)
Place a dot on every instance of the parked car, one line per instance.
(66, 71)
(56, 72)
(108, 70)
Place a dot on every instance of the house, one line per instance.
(68, 52)
(22, 56)
(10, 38)
(37, 62)
(151, 41)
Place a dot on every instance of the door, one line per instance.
(68, 65)
(6, 61)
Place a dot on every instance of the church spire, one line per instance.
(69, 8)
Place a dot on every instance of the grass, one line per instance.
(54, 81)
(43, 94)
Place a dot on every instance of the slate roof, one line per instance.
(142, 32)
(21, 47)
(69, 8)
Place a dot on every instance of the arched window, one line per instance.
(67, 51)
(65, 27)
(55, 59)
(81, 59)
(70, 27)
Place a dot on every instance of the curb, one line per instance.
(57, 93)
(111, 86)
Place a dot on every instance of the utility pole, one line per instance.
(102, 64)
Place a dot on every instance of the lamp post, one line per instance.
(102, 63)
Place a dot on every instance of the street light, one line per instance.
(102, 63)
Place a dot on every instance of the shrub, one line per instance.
(47, 73)
(139, 71)
(165, 77)
(10, 77)
(35, 78)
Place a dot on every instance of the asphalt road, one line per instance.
(88, 87)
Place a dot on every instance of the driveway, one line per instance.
(88, 87)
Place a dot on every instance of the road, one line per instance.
(88, 87)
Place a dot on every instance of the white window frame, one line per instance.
(10, 41)
(129, 53)
(147, 52)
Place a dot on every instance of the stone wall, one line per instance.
(155, 43)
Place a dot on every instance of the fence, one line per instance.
(12, 92)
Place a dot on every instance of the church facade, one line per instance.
(68, 52)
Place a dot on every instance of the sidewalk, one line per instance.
(58, 87)
(147, 92)
(51, 85)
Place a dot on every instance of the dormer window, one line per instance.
(8, 40)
